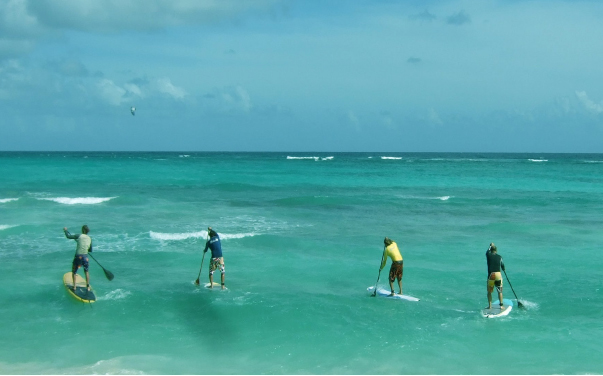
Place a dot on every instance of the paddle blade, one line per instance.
(520, 305)
(109, 275)
(197, 282)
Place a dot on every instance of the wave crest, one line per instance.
(314, 158)
(78, 200)
(195, 235)
(5, 200)
(177, 236)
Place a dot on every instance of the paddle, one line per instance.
(202, 259)
(108, 274)
(518, 302)
(379, 276)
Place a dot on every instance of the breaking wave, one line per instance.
(78, 200)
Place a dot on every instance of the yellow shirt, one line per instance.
(393, 252)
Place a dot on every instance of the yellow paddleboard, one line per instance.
(81, 293)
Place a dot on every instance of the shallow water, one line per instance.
(302, 236)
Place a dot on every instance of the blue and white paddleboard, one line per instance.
(386, 293)
(495, 311)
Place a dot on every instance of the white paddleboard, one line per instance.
(386, 293)
(495, 311)
(216, 285)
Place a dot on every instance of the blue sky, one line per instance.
(279, 75)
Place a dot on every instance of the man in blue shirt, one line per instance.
(217, 260)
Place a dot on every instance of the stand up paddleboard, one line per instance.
(495, 311)
(81, 293)
(386, 293)
(215, 284)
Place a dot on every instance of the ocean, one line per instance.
(302, 235)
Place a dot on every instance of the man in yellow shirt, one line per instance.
(397, 268)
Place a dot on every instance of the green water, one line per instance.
(302, 241)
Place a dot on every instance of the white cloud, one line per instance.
(230, 99)
(24, 22)
(116, 15)
(244, 98)
(433, 117)
(353, 119)
(134, 89)
(110, 92)
(165, 86)
(591, 106)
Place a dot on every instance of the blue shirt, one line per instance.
(216, 247)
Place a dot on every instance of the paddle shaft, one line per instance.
(202, 259)
(199, 276)
(379, 276)
(518, 302)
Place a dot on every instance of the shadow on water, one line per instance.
(207, 319)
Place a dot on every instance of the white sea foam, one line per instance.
(529, 305)
(78, 200)
(115, 295)
(4, 227)
(538, 160)
(184, 156)
(195, 235)
(396, 158)
(441, 198)
(237, 236)
(5, 200)
(177, 236)
(314, 158)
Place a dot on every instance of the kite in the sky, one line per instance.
(133, 110)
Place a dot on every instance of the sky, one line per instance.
(302, 75)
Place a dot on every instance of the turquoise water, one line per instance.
(302, 238)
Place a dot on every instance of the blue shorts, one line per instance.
(79, 260)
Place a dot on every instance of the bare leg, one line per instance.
(88, 280)
(222, 281)
(391, 287)
(489, 299)
(211, 281)
(400, 285)
(73, 276)
(500, 299)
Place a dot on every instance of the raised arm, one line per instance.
(68, 234)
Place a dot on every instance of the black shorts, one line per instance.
(79, 260)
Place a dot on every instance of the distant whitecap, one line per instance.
(195, 235)
(5, 200)
(177, 236)
(78, 200)
(314, 158)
